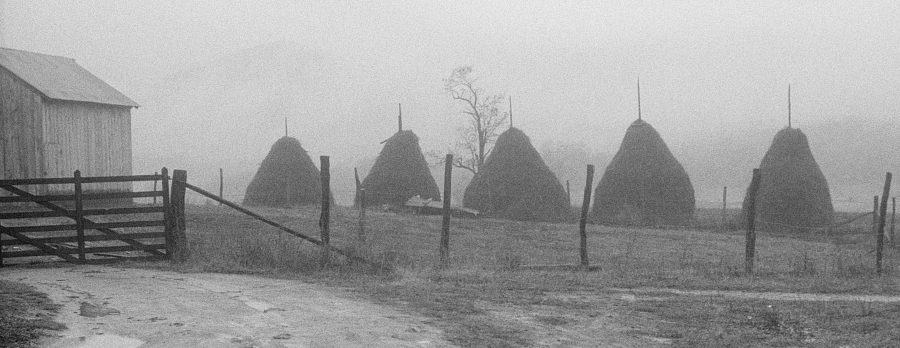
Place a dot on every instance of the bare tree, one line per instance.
(484, 122)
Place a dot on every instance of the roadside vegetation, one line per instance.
(25, 315)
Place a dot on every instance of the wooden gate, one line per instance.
(114, 226)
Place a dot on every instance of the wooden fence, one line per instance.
(59, 225)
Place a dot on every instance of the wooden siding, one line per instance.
(93, 138)
(21, 130)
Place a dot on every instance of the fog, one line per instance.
(216, 80)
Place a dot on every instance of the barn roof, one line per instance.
(61, 78)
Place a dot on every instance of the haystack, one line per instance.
(793, 193)
(286, 177)
(644, 184)
(514, 183)
(400, 172)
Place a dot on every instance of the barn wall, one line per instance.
(21, 144)
(93, 138)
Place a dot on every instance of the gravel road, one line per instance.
(115, 307)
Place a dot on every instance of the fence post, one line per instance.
(568, 194)
(875, 213)
(154, 187)
(358, 187)
(79, 217)
(177, 202)
(893, 221)
(324, 219)
(879, 250)
(724, 205)
(221, 184)
(582, 224)
(445, 227)
(361, 237)
(750, 247)
(167, 213)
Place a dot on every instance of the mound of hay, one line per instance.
(793, 193)
(644, 184)
(287, 177)
(514, 183)
(400, 172)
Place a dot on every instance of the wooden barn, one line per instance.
(56, 117)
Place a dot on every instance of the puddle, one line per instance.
(92, 311)
(107, 341)
(257, 305)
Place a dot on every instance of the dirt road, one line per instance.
(113, 307)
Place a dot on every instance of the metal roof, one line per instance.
(61, 78)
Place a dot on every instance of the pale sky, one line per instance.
(706, 67)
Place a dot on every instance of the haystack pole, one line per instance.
(639, 98)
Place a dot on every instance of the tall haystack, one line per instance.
(793, 193)
(286, 177)
(400, 172)
(644, 184)
(514, 183)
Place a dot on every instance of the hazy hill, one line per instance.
(227, 113)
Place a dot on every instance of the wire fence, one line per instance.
(850, 233)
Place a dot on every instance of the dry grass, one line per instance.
(488, 271)
(25, 315)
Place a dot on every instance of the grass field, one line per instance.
(487, 296)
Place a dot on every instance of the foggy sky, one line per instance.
(706, 67)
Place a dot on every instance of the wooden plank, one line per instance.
(118, 248)
(124, 224)
(36, 198)
(115, 195)
(125, 211)
(37, 181)
(127, 178)
(88, 238)
(69, 251)
(133, 259)
(32, 253)
(86, 212)
(41, 228)
(30, 215)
